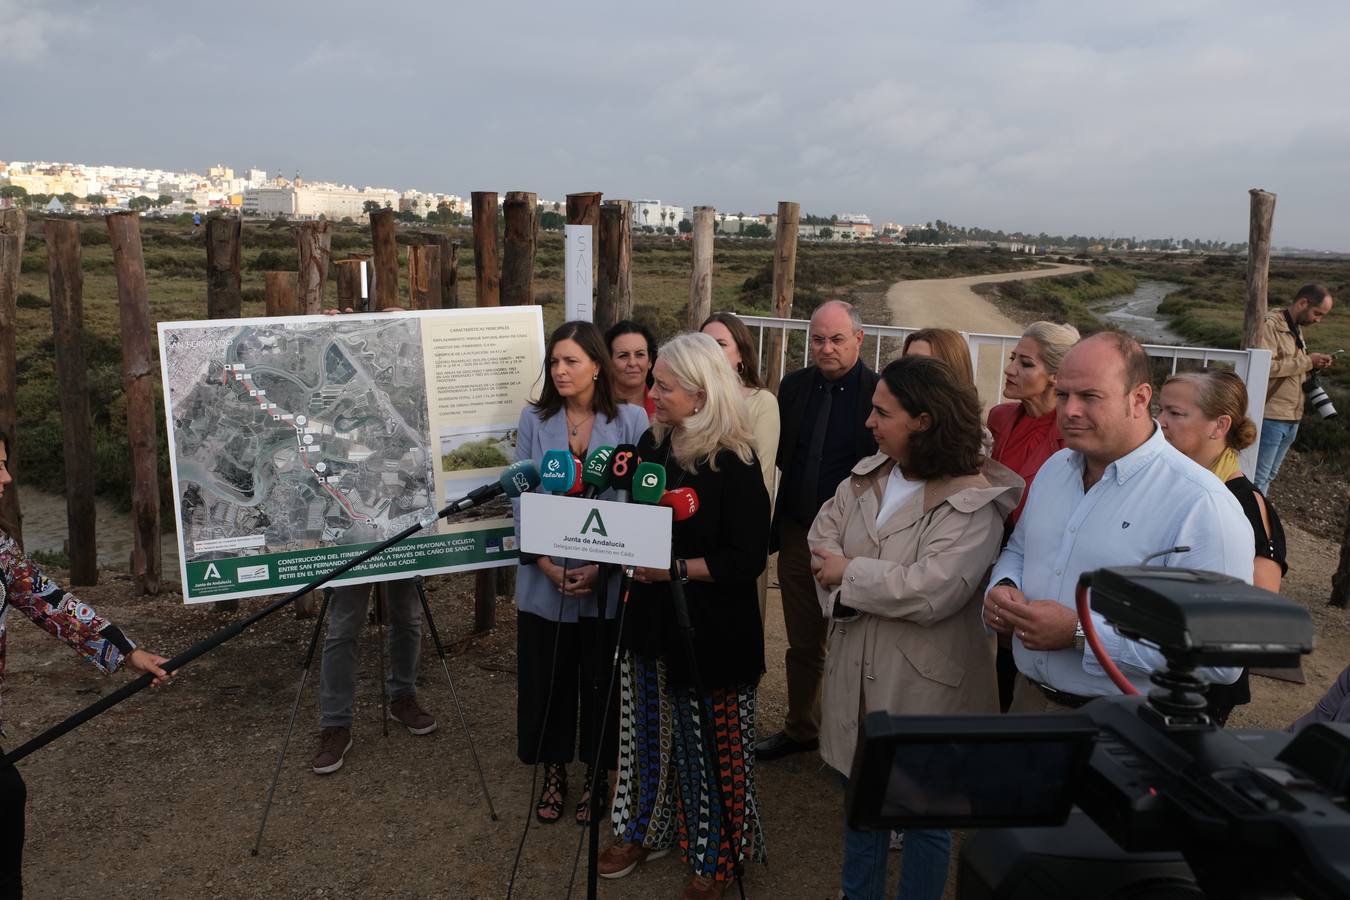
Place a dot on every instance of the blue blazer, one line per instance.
(534, 592)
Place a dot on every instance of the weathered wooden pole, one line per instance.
(13, 230)
(700, 280)
(784, 283)
(138, 373)
(1258, 265)
(449, 271)
(487, 279)
(66, 284)
(614, 290)
(224, 244)
(424, 276)
(386, 260)
(584, 209)
(521, 211)
(314, 241)
(279, 294)
(349, 281)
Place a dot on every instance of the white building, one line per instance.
(655, 214)
(310, 201)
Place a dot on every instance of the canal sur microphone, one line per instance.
(683, 501)
(621, 466)
(557, 473)
(595, 473)
(649, 483)
(517, 478)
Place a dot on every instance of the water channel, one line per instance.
(1137, 313)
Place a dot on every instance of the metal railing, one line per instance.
(988, 352)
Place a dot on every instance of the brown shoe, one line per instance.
(622, 858)
(700, 888)
(414, 718)
(334, 742)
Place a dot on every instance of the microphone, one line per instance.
(595, 473)
(621, 466)
(518, 478)
(577, 483)
(683, 501)
(556, 472)
(649, 483)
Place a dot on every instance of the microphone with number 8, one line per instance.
(595, 473)
(621, 466)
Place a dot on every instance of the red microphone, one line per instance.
(682, 501)
(577, 485)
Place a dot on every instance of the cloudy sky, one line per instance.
(1145, 118)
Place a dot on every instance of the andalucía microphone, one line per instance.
(518, 478)
(682, 501)
(595, 473)
(621, 466)
(649, 483)
(557, 473)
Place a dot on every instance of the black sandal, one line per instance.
(584, 804)
(555, 785)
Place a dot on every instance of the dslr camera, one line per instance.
(1318, 397)
(1138, 797)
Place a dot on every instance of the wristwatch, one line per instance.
(682, 567)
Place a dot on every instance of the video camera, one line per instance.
(1170, 804)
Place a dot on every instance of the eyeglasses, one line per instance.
(838, 340)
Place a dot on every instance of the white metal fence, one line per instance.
(988, 353)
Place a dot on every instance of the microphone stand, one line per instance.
(203, 647)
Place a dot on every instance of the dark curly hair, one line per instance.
(951, 445)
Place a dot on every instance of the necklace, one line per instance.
(577, 426)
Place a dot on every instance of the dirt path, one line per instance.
(950, 303)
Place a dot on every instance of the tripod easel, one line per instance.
(380, 610)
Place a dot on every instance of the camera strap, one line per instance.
(1293, 329)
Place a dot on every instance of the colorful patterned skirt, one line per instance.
(686, 776)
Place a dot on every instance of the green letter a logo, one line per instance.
(594, 516)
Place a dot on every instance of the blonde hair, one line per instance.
(698, 364)
(1054, 341)
(948, 346)
(1219, 392)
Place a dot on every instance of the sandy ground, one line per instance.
(161, 796)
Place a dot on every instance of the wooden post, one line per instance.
(700, 281)
(349, 281)
(280, 297)
(521, 210)
(1258, 265)
(449, 271)
(1340, 582)
(66, 284)
(614, 290)
(386, 260)
(12, 233)
(138, 373)
(424, 276)
(224, 244)
(313, 240)
(584, 209)
(487, 280)
(784, 283)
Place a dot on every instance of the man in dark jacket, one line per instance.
(823, 409)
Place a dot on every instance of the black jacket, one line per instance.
(794, 393)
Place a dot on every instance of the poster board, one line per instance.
(298, 442)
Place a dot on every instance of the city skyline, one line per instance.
(1147, 119)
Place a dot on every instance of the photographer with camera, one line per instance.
(1118, 494)
(1292, 373)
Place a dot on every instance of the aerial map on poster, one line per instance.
(300, 442)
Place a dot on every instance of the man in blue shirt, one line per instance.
(1116, 495)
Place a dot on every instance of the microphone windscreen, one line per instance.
(621, 467)
(519, 478)
(577, 484)
(556, 472)
(649, 482)
(595, 473)
(682, 501)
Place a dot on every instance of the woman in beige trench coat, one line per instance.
(899, 553)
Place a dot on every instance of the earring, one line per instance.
(695, 410)
(740, 367)
(595, 377)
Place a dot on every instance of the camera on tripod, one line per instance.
(1318, 397)
(1159, 801)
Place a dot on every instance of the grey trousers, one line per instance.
(346, 616)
